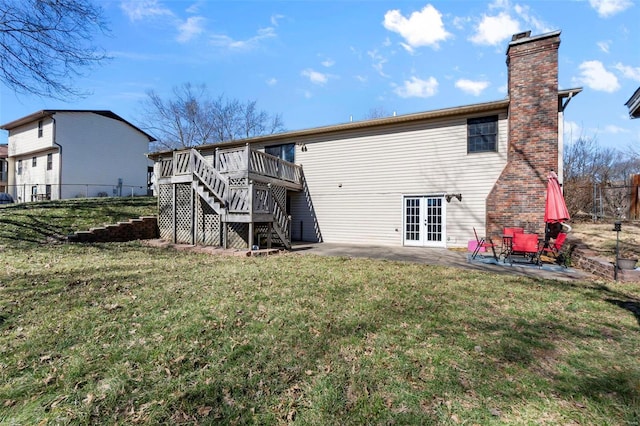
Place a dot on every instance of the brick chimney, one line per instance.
(518, 197)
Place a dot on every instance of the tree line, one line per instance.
(596, 179)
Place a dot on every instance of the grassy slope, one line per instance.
(120, 333)
(49, 221)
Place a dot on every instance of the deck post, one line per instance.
(174, 219)
(225, 235)
(269, 232)
(194, 222)
(250, 236)
(251, 224)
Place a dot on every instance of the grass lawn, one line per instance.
(125, 334)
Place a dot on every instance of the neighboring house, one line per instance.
(424, 179)
(4, 167)
(57, 154)
(634, 104)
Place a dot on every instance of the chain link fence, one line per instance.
(39, 192)
(619, 200)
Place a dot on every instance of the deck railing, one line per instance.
(272, 166)
(232, 160)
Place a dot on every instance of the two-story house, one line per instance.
(57, 154)
(425, 179)
(634, 104)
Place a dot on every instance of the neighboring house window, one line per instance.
(47, 191)
(482, 134)
(34, 161)
(49, 161)
(19, 167)
(287, 152)
(40, 128)
(34, 193)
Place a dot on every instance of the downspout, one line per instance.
(55, 142)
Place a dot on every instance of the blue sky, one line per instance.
(325, 62)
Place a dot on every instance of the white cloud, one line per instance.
(272, 81)
(572, 131)
(275, 19)
(424, 28)
(328, 63)
(615, 129)
(137, 10)
(532, 22)
(315, 77)
(472, 87)
(378, 62)
(460, 22)
(418, 88)
(604, 45)
(190, 28)
(606, 8)
(251, 43)
(493, 30)
(361, 78)
(627, 71)
(594, 75)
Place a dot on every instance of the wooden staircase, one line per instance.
(234, 202)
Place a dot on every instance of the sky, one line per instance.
(319, 63)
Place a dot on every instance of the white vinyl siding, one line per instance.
(357, 181)
(25, 140)
(97, 151)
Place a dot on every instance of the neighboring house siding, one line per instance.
(357, 181)
(97, 151)
(25, 140)
(26, 144)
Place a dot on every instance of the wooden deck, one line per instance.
(239, 185)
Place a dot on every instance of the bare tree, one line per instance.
(190, 117)
(46, 44)
(377, 112)
(588, 167)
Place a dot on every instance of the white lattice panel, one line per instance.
(238, 235)
(165, 212)
(183, 214)
(208, 224)
(279, 193)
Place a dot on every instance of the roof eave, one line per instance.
(39, 115)
(378, 122)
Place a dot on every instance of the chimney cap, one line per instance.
(524, 34)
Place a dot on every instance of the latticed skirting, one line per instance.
(195, 222)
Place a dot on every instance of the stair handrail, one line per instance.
(211, 178)
(282, 221)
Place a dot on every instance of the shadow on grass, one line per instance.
(632, 306)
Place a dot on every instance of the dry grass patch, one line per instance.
(120, 333)
(601, 238)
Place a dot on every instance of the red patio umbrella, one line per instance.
(555, 208)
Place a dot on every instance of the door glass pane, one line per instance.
(433, 219)
(412, 219)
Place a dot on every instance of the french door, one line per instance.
(424, 221)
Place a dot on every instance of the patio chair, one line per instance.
(483, 243)
(551, 251)
(507, 240)
(526, 246)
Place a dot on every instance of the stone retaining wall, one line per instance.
(588, 260)
(143, 228)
